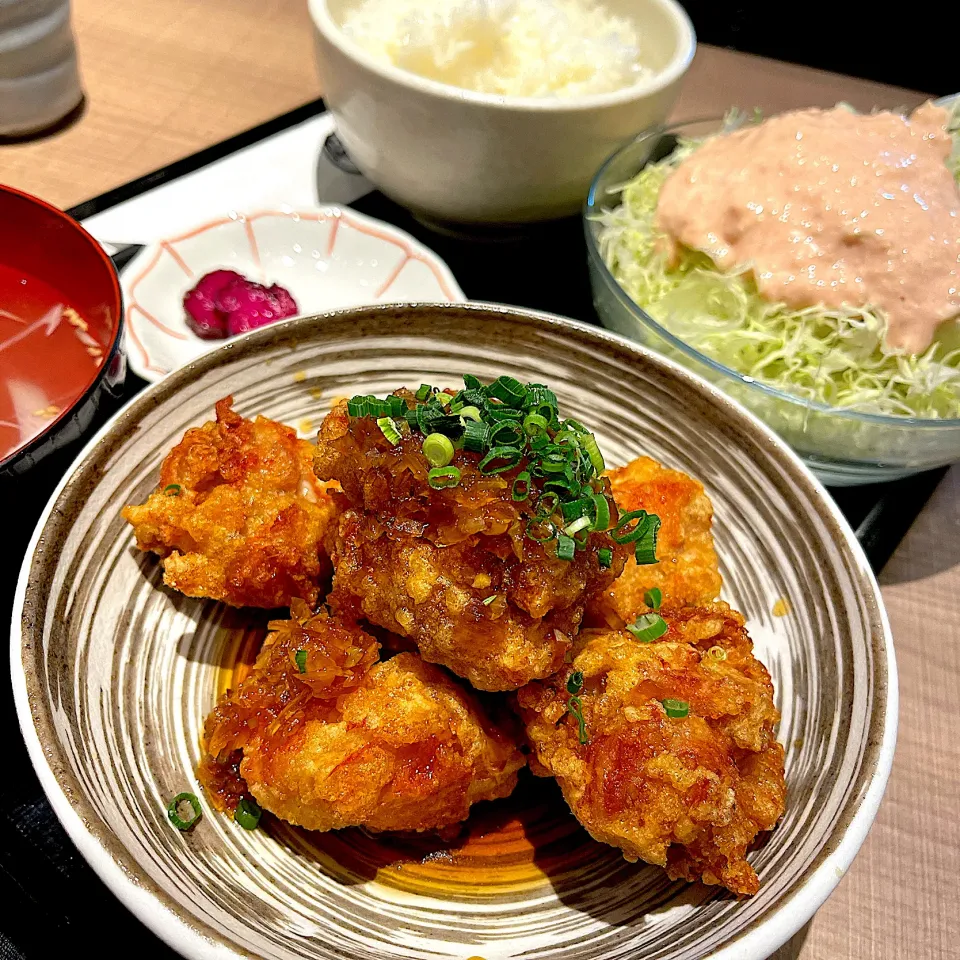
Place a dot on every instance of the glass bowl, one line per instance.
(843, 448)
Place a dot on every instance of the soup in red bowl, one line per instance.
(60, 329)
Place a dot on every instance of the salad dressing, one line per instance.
(831, 207)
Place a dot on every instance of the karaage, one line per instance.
(463, 570)
(676, 760)
(238, 515)
(687, 569)
(325, 737)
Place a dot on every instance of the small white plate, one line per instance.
(328, 258)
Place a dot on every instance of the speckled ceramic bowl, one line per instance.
(113, 675)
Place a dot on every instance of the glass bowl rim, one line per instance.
(592, 208)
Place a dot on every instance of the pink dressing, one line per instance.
(834, 208)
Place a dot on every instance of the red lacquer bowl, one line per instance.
(60, 330)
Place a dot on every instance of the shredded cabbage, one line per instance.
(838, 358)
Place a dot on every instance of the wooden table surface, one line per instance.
(165, 79)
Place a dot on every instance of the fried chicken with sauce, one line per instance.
(690, 794)
(687, 570)
(451, 569)
(395, 745)
(238, 515)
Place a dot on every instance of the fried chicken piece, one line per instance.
(451, 569)
(396, 745)
(687, 570)
(238, 514)
(689, 794)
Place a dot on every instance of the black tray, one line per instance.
(52, 902)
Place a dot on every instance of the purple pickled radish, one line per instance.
(285, 302)
(203, 316)
(248, 306)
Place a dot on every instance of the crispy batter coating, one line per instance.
(690, 794)
(687, 571)
(238, 514)
(397, 745)
(451, 569)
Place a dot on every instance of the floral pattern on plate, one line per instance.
(328, 258)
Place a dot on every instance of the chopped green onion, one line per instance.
(575, 709)
(498, 412)
(645, 549)
(389, 429)
(644, 533)
(425, 417)
(545, 410)
(448, 424)
(547, 505)
(438, 449)
(653, 598)
(368, 407)
(540, 393)
(601, 512)
(506, 434)
(540, 530)
(301, 659)
(648, 627)
(717, 653)
(565, 486)
(488, 600)
(508, 390)
(440, 478)
(574, 509)
(575, 682)
(521, 486)
(476, 436)
(605, 557)
(566, 547)
(567, 438)
(175, 806)
(516, 427)
(552, 464)
(582, 523)
(499, 459)
(248, 813)
(678, 709)
(622, 533)
(534, 423)
(172, 489)
(593, 452)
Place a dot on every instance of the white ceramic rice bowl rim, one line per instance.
(191, 942)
